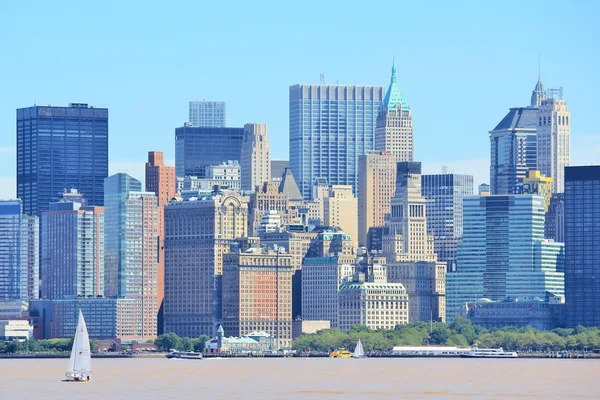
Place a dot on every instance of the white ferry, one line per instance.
(428, 351)
(184, 355)
(489, 353)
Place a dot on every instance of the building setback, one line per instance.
(19, 252)
(331, 126)
(257, 294)
(58, 148)
(503, 253)
(197, 148)
(582, 245)
(204, 113)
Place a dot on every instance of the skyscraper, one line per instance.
(197, 234)
(266, 199)
(340, 208)
(513, 149)
(255, 158)
(211, 114)
(72, 249)
(376, 187)
(160, 180)
(409, 250)
(394, 130)
(444, 194)
(582, 245)
(131, 249)
(554, 140)
(331, 126)
(60, 148)
(503, 253)
(19, 252)
(198, 148)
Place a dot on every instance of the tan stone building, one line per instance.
(409, 251)
(340, 208)
(197, 234)
(257, 294)
(255, 157)
(160, 179)
(376, 187)
(266, 198)
(375, 303)
(394, 129)
(554, 141)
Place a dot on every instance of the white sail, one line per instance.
(80, 361)
(358, 350)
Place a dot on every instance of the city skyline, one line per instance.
(149, 113)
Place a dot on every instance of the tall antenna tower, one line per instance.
(322, 78)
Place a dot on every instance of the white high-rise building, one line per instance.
(255, 157)
(554, 140)
(209, 114)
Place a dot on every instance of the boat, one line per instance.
(184, 355)
(80, 363)
(358, 350)
(341, 353)
(489, 353)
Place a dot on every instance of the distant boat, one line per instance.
(358, 350)
(489, 353)
(184, 355)
(80, 363)
(341, 353)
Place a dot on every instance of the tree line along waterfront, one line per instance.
(461, 333)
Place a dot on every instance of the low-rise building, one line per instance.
(375, 303)
(520, 312)
(16, 330)
(299, 327)
(254, 342)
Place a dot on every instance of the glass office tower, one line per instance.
(331, 126)
(61, 148)
(582, 245)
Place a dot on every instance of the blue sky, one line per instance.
(461, 65)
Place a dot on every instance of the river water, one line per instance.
(400, 378)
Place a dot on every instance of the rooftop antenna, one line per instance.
(322, 78)
(444, 169)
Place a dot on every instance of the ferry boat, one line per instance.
(428, 351)
(341, 353)
(184, 355)
(489, 353)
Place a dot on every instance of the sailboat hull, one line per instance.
(79, 380)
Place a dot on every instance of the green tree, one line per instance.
(440, 334)
(168, 341)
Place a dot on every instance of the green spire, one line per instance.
(394, 96)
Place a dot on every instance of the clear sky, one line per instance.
(461, 65)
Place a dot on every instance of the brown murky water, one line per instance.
(305, 379)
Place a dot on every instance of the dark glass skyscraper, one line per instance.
(61, 148)
(582, 245)
(197, 148)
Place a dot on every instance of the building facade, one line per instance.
(266, 199)
(255, 158)
(257, 294)
(535, 183)
(340, 208)
(582, 245)
(19, 252)
(554, 140)
(131, 249)
(331, 126)
(376, 187)
(554, 228)
(197, 148)
(197, 234)
(513, 149)
(503, 253)
(375, 303)
(58, 148)
(444, 194)
(394, 129)
(209, 114)
(72, 249)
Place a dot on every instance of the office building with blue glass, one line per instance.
(582, 245)
(197, 148)
(61, 148)
(331, 126)
(503, 253)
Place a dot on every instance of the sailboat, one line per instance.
(358, 350)
(80, 363)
